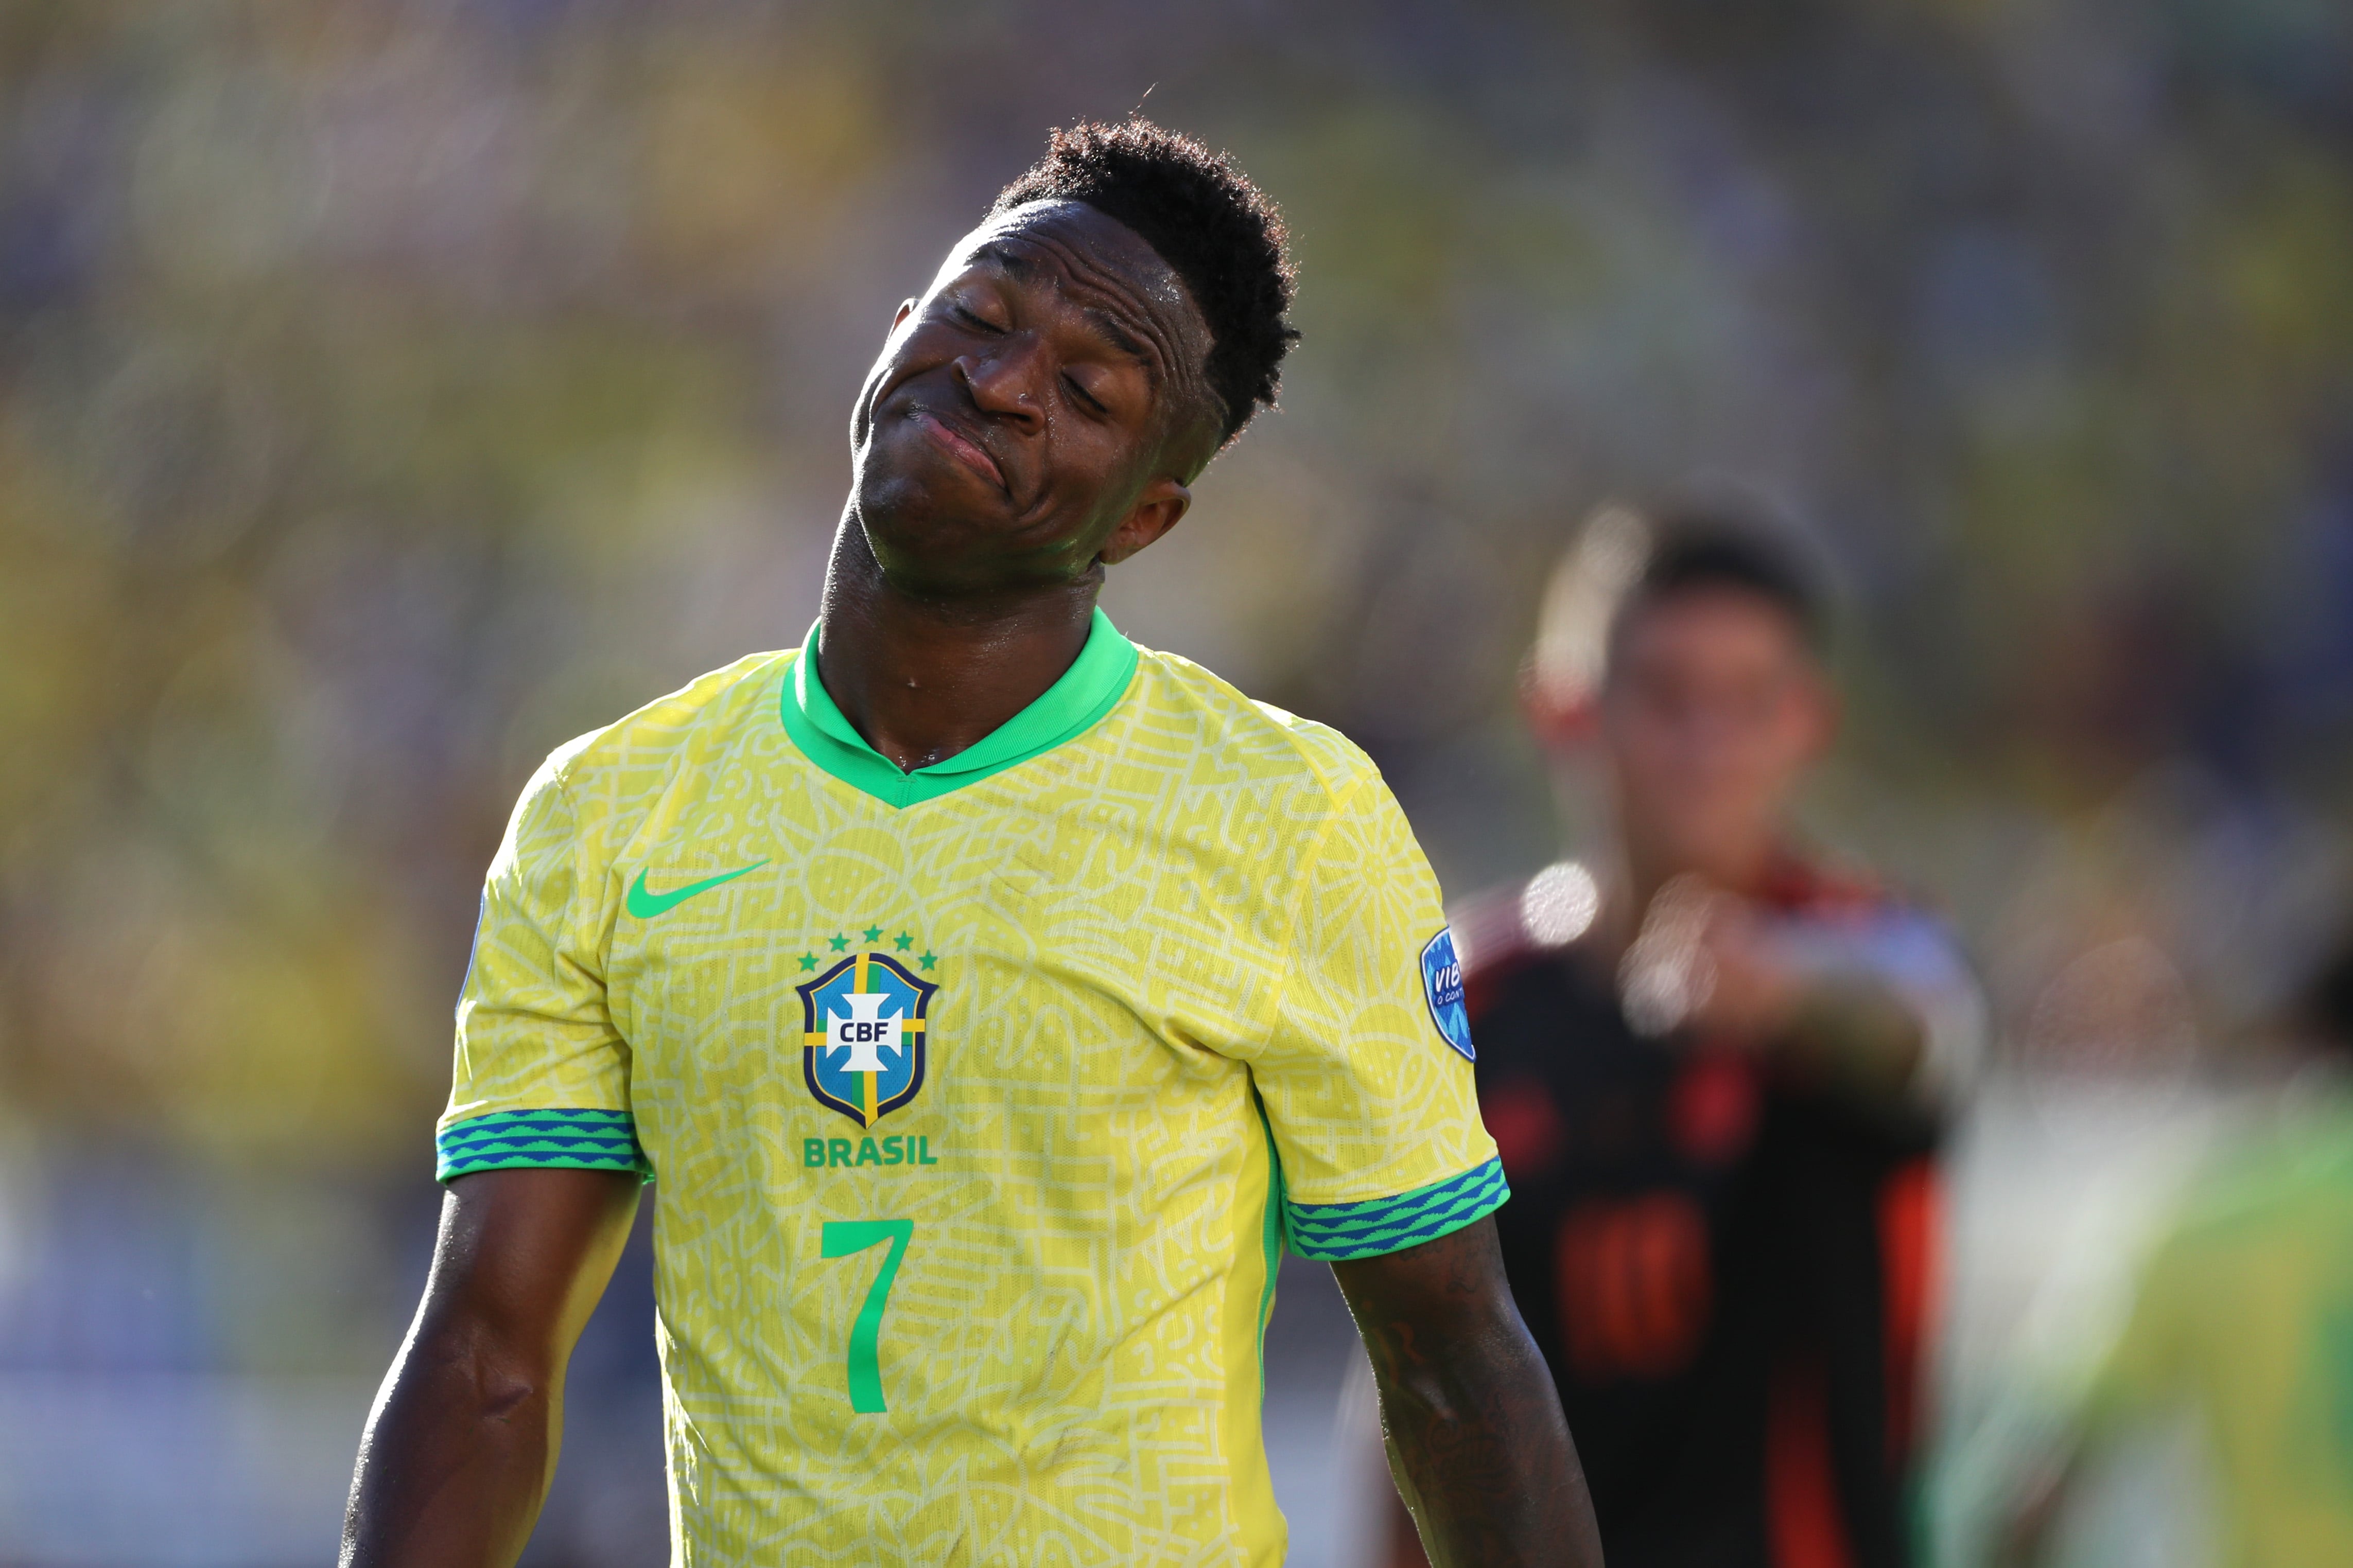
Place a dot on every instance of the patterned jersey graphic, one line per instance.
(1134, 1016)
(862, 1045)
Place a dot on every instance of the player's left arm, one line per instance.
(1476, 1440)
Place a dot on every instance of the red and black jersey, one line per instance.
(1726, 1270)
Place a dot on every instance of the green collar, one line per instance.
(1068, 707)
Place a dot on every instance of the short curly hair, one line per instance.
(1216, 230)
(1701, 545)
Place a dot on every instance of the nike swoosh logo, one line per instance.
(646, 906)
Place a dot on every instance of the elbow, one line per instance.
(499, 1398)
(1466, 1377)
(479, 1370)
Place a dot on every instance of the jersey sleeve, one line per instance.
(542, 1076)
(1366, 1072)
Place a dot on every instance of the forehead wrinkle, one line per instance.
(1125, 341)
(1107, 283)
(1163, 308)
(1011, 260)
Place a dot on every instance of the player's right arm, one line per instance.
(540, 1152)
(462, 1441)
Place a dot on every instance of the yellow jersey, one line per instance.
(979, 1100)
(2244, 1320)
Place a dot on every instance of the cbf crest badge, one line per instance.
(862, 1036)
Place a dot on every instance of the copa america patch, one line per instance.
(1441, 984)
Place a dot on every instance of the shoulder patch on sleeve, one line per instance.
(1441, 985)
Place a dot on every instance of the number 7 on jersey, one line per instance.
(839, 1238)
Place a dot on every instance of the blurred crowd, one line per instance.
(393, 389)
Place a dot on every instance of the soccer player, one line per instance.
(988, 1001)
(1717, 1068)
(2241, 1326)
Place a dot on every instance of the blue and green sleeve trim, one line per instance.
(569, 1140)
(1379, 1226)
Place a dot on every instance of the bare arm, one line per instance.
(1477, 1443)
(462, 1444)
(1886, 1018)
(1857, 1035)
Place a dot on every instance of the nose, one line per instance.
(1004, 381)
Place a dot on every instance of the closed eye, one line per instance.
(1087, 399)
(970, 319)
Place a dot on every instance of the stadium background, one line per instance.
(389, 392)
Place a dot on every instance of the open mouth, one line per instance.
(962, 448)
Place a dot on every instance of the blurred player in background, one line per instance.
(2242, 1325)
(991, 999)
(1717, 1068)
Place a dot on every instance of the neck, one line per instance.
(922, 678)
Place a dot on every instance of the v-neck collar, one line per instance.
(1072, 705)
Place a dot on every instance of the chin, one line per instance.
(893, 505)
(923, 547)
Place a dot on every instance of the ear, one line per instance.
(1564, 718)
(1156, 512)
(906, 309)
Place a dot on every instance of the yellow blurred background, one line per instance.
(390, 391)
